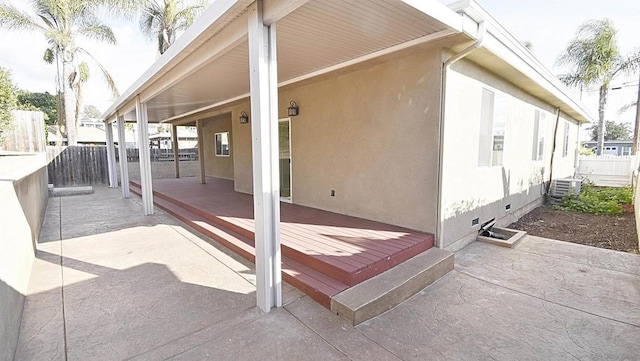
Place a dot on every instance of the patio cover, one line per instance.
(209, 65)
(240, 49)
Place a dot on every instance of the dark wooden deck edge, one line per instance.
(318, 279)
(318, 286)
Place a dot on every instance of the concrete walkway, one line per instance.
(111, 284)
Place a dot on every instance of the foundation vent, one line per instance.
(565, 187)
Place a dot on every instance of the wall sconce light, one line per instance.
(293, 110)
(244, 118)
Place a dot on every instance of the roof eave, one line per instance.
(506, 47)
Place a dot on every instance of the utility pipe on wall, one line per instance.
(553, 152)
(482, 30)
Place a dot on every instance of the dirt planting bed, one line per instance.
(604, 231)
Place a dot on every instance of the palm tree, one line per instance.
(62, 22)
(594, 58)
(163, 19)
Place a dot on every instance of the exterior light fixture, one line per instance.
(293, 110)
(244, 118)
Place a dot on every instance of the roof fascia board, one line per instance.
(206, 108)
(275, 10)
(183, 46)
(507, 47)
(438, 11)
(503, 52)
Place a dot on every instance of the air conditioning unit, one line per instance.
(565, 187)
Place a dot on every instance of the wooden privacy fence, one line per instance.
(26, 133)
(608, 170)
(78, 166)
(87, 165)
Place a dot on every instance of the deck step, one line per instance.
(292, 249)
(316, 285)
(387, 290)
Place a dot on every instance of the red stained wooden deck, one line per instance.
(323, 253)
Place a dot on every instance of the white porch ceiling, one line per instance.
(318, 35)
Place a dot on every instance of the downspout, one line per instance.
(553, 151)
(576, 155)
(482, 30)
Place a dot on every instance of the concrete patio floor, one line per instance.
(112, 284)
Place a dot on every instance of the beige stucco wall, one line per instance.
(370, 135)
(368, 132)
(241, 148)
(217, 166)
(470, 191)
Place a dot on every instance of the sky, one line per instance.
(548, 24)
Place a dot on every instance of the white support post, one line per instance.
(122, 154)
(111, 156)
(145, 157)
(203, 176)
(264, 136)
(174, 146)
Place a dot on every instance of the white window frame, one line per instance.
(493, 111)
(215, 144)
(539, 132)
(626, 151)
(565, 144)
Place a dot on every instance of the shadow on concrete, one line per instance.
(127, 312)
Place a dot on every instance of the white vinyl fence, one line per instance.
(608, 170)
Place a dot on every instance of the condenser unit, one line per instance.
(565, 187)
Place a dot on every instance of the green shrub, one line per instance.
(598, 200)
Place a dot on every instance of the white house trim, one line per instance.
(505, 47)
(111, 157)
(122, 153)
(275, 10)
(266, 183)
(437, 11)
(144, 157)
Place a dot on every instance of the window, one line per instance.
(565, 145)
(222, 144)
(493, 115)
(626, 150)
(539, 128)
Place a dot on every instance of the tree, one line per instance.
(44, 102)
(62, 22)
(594, 58)
(8, 100)
(613, 131)
(164, 19)
(91, 112)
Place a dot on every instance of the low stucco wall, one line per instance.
(24, 194)
(636, 201)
